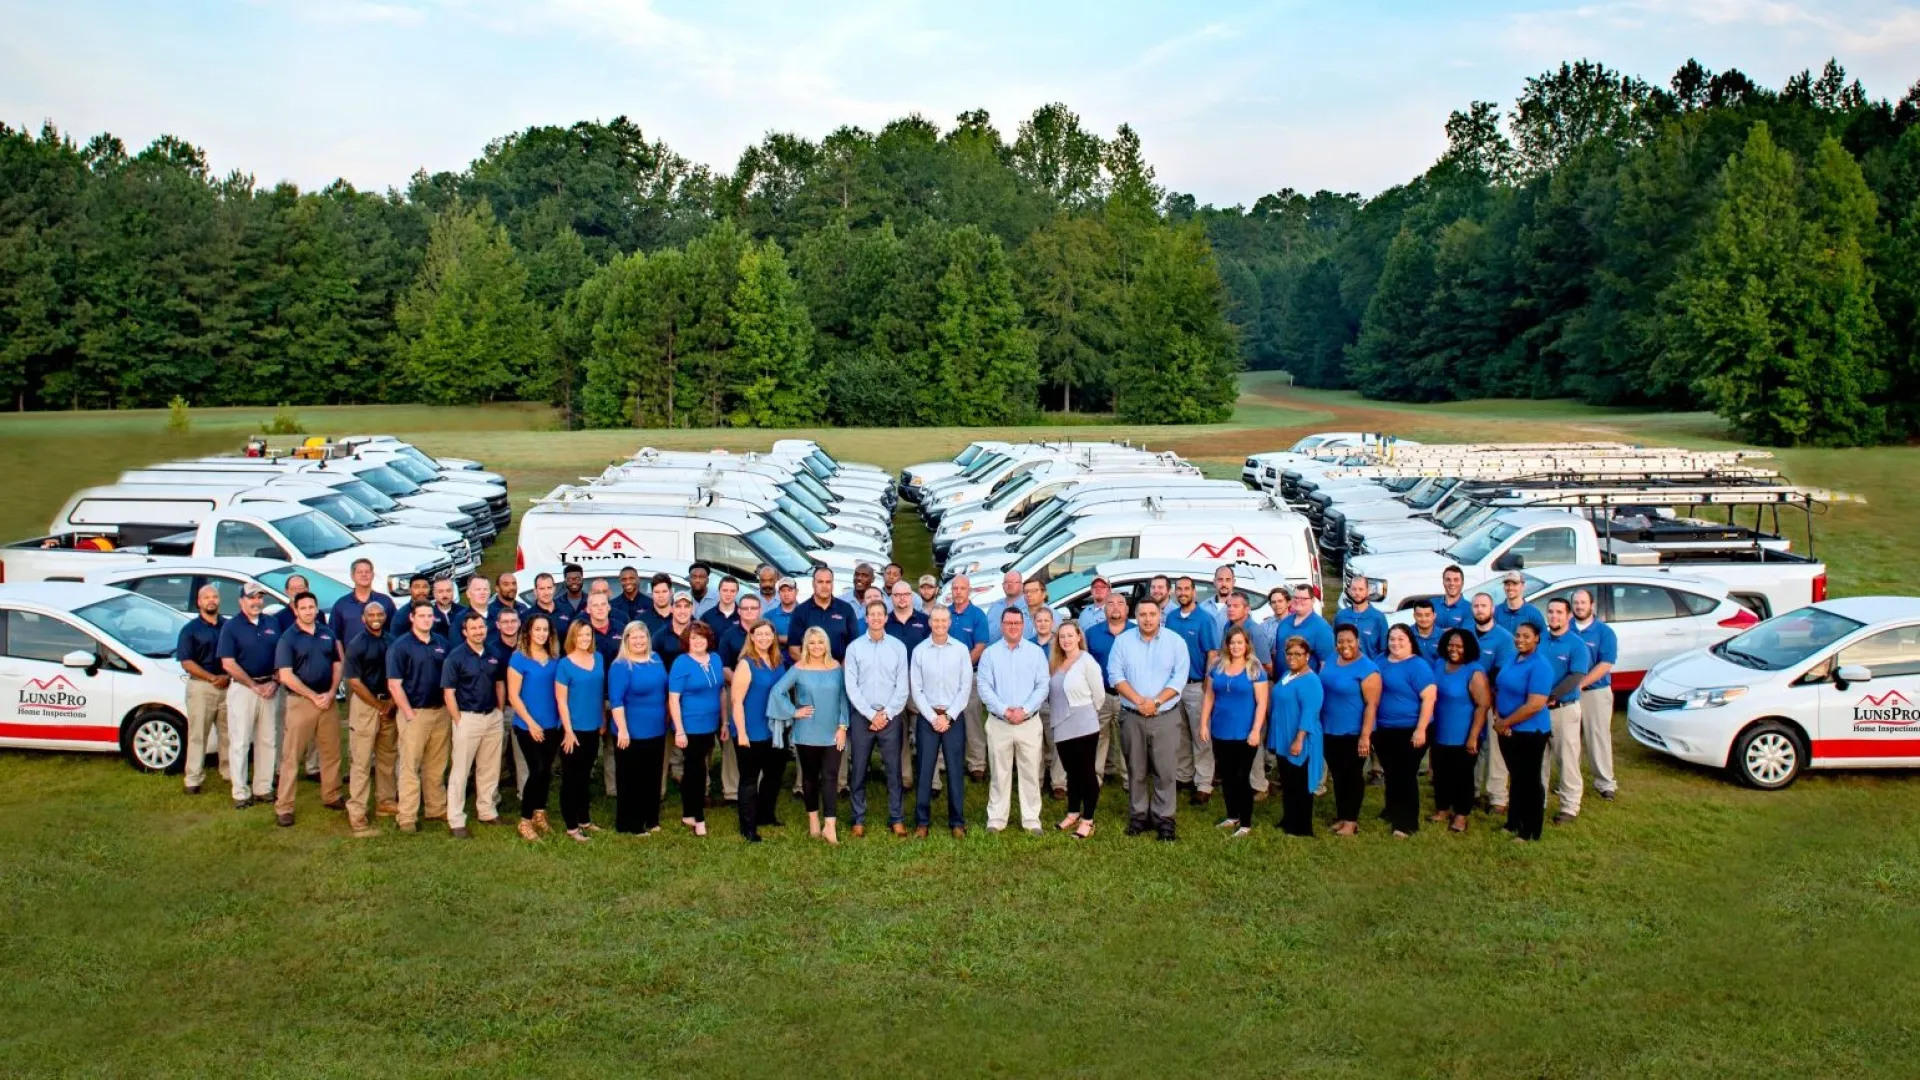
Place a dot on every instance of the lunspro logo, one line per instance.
(51, 697)
(1890, 711)
(612, 544)
(1238, 548)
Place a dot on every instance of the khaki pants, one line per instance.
(1493, 769)
(975, 716)
(308, 724)
(1563, 751)
(1596, 730)
(1014, 754)
(373, 743)
(476, 749)
(1110, 755)
(252, 733)
(1195, 761)
(425, 746)
(206, 715)
(519, 755)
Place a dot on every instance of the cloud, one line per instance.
(350, 12)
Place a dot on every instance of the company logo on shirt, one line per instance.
(1890, 711)
(612, 544)
(51, 697)
(1239, 547)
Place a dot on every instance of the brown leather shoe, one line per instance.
(859, 830)
(959, 832)
(337, 804)
(387, 809)
(899, 829)
(285, 821)
(920, 832)
(541, 823)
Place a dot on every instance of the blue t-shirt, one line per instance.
(586, 707)
(309, 656)
(1510, 620)
(1453, 704)
(760, 684)
(1603, 647)
(536, 691)
(199, 641)
(1401, 684)
(1522, 678)
(1318, 634)
(640, 689)
(251, 644)
(699, 688)
(1201, 634)
(1372, 625)
(1233, 702)
(1344, 708)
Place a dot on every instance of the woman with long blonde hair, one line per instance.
(1076, 693)
(637, 694)
(812, 698)
(580, 685)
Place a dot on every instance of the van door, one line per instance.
(1876, 722)
(42, 701)
(726, 553)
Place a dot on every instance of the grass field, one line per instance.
(1692, 928)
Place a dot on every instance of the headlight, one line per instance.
(969, 569)
(1710, 697)
(396, 584)
(966, 526)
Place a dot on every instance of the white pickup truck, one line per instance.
(1757, 568)
(288, 532)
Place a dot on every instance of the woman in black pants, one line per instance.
(1520, 719)
(1400, 732)
(536, 718)
(1351, 687)
(1075, 692)
(580, 687)
(1233, 716)
(1294, 736)
(762, 662)
(637, 693)
(812, 698)
(695, 691)
(1460, 706)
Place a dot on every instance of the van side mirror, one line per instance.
(1512, 560)
(81, 658)
(1852, 673)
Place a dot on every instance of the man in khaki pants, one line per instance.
(373, 738)
(198, 651)
(247, 646)
(414, 663)
(308, 663)
(474, 683)
(1571, 660)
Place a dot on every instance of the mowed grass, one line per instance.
(1692, 928)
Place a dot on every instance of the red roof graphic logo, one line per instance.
(612, 540)
(58, 682)
(1892, 699)
(1238, 547)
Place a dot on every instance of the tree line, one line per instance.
(912, 275)
(1708, 244)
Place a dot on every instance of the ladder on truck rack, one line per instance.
(1765, 499)
(1553, 468)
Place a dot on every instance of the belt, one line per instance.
(1191, 680)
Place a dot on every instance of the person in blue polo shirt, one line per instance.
(246, 653)
(1302, 619)
(1361, 614)
(1520, 720)
(1426, 630)
(780, 611)
(1101, 633)
(1596, 692)
(1452, 608)
(307, 659)
(473, 681)
(1194, 625)
(414, 663)
(198, 651)
(346, 619)
(1496, 652)
(1515, 610)
(832, 615)
(1571, 661)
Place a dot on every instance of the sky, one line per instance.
(1232, 99)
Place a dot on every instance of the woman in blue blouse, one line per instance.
(1461, 696)
(762, 662)
(580, 686)
(536, 716)
(812, 697)
(1520, 719)
(1400, 728)
(694, 690)
(1294, 736)
(1351, 686)
(637, 694)
(1233, 710)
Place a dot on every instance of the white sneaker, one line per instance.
(1228, 823)
(1242, 831)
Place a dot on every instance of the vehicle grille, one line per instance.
(1645, 736)
(501, 509)
(441, 569)
(1656, 703)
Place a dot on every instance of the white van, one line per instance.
(458, 468)
(841, 541)
(477, 525)
(856, 489)
(1005, 548)
(915, 477)
(1025, 492)
(598, 535)
(802, 486)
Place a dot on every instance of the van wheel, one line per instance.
(155, 741)
(1769, 756)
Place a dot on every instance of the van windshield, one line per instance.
(343, 510)
(414, 455)
(804, 497)
(412, 470)
(813, 522)
(1011, 491)
(388, 482)
(819, 491)
(324, 589)
(1480, 543)
(1043, 549)
(966, 456)
(796, 535)
(774, 548)
(1427, 498)
(314, 534)
(368, 496)
(981, 466)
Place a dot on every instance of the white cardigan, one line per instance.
(1083, 683)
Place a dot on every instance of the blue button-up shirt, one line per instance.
(941, 677)
(1569, 656)
(1148, 666)
(1603, 645)
(876, 676)
(1013, 677)
(1199, 631)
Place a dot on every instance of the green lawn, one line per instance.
(1692, 928)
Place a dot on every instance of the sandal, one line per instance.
(699, 828)
(1069, 822)
(527, 831)
(1459, 824)
(589, 826)
(576, 834)
(1438, 816)
(1085, 830)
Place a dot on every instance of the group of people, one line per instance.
(651, 682)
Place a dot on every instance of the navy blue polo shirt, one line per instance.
(733, 642)
(284, 618)
(911, 631)
(199, 642)
(721, 623)
(629, 609)
(417, 665)
(457, 625)
(471, 676)
(405, 615)
(367, 661)
(501, 651)
(607, 642)
(837, 619)
(495, 605)
(309, 656)
(561, 616)
(347, 619)
(667, 644)
(251, 644)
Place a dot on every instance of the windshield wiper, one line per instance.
(1745, 659)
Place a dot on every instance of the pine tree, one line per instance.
(469, 333)
(1180, 357)
(978, 348)
(1395, 320)
(777, 383)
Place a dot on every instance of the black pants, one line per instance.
(1233, 771)
(1400, 764)
(1083, 784)
(820, 778)
(1296, 799)
(1453, 770)
(539, 757)
(761, 767)
(1346, 770)
(1526, 796)
(637, 808)
(693, 776)
(576, 770)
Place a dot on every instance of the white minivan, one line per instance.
(596, 536)
(87, 667)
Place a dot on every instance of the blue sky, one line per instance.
(1232, 100)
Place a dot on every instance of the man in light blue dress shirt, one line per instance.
(1148, 669)
(940, 675)
(1013, 685)
(877, 691)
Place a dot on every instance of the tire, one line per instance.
(155, 741)
(1769, 755)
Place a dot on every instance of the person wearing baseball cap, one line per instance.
(779, 610)
(928, 587)
(1516, 612)
(1096, 609)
